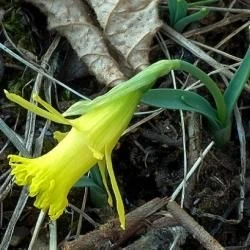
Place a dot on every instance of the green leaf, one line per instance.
(172, 9)
(181, 10)
(182, 23)
(181, 100)
(98, 194)
(95, 175)
(98, 199)
(85, 181)
(237, 83)
(211, 86)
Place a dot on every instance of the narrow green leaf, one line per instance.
(182, 23)
(181, 10)
(172, 10)
(85, 181)
(14, 138)
(98, 199)
(211, 86)
(95, 175)
(181, 100)
(237, 83)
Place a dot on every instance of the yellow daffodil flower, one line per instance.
(91, 140)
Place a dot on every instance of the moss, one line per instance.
(16, 26)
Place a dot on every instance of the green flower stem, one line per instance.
(211, 86)
(161, 68)
(146, 79)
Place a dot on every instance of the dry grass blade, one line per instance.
(14, 138)
(12, 223)
(180, 39)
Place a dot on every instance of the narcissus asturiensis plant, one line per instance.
(102, 121)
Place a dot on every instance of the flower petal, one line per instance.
(59, 136)
(55, 117)
(119, 202)
(102, 168)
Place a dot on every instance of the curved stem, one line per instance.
(211, 86)
(144, 80)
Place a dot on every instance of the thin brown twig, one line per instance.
(219, 9)
(197, 231)
(224, 22)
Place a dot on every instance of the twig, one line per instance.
(37, 229)
(30, 127)
(197, 231)
(235, 58)
(180, 39)
(242, 139)
(14, 138)
(224, 22)
(84, 215)
(112, 231)
(192, 170)
(142, 121)
(16, 214)
(232, 34)
(219, 9)
(41, 71)
(84, 200)
(53, 235)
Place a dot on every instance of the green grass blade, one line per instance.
(172, 10)
(181, 100)
(181, 10)
(182, 23)
(14, 138)
(237, 83)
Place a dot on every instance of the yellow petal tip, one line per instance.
(123, 226)
(34, 97)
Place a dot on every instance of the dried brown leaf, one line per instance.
(71, 19)
(130, 26)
